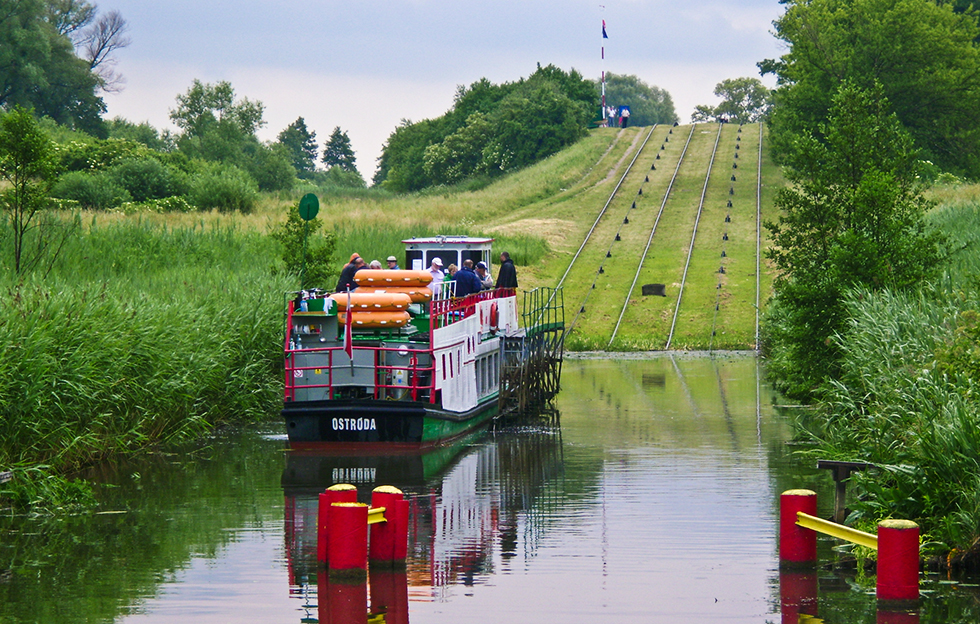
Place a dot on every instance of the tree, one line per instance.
(301, 146)
(648, 104)
(923, 53)
(39, 68)
(338, 153)
(852, 217)
(216, 126)
(743, 100)
(319, 248)
(26, 163)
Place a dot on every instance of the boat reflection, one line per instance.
(467, 504)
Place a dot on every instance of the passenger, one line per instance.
(467, 281)
(375, 265)
(451, 270)
(346, 281)
(483, 272)
(437, 276)
(393, 263)
(507, 276)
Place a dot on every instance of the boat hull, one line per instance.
(365, 421)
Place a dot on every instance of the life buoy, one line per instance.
(384, 277)
(374, 301)
(493, 317)
(418, 294)
(376, 319)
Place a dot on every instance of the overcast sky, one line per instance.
(365, 65)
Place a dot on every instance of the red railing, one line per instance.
(442, 312)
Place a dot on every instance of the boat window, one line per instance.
(448, 256)
(444, 367)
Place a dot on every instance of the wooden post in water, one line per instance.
(797, 545)
(339, 493)
(898, 561)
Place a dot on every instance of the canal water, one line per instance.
(650, 493)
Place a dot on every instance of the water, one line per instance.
(655, 500)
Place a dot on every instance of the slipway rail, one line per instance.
(694, 234)
(602, 212)
(653, 231)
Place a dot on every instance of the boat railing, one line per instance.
(403, 370)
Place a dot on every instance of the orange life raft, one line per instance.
(383, 277)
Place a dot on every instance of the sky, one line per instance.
(366, 65)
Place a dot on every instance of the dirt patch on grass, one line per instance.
(552, 230)
(619, 165)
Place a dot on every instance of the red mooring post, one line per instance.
(347, 539)
(797, 595)
(898, 561)
(346, 602)
(389, 539)
(797, 545)
(389, 595)
(339, 493)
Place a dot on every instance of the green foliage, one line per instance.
(924, 55)
(338, 152)
(93, 154)
(744, 100)
(491, 129)
(318, 266)
(148, 178)
(139, 335)
(142, 133)
(852, 218)
(648, 104)
(39, 68)
(301, 147)
(44, 491)
(224, 188)
(26, 165)
(98, 191)
(269, 166)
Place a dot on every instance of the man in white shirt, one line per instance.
(437, 276)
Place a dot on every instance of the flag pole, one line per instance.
(603, 54)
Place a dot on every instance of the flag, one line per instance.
(604, 35)
(348, 334)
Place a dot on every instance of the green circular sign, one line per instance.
(309, 206)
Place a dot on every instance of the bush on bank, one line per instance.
(908, 399)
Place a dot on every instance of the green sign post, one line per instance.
(309, 205)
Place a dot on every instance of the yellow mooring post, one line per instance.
(839, 531)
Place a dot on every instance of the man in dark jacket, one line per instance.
(346, 281)
(507, 277)
(467, 281)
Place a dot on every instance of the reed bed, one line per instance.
(142, 334)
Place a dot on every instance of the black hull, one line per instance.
(364, 422)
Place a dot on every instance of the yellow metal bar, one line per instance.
(836, 530)
(376, 515)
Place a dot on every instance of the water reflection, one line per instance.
(655, 499)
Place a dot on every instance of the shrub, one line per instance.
(90, 190)
(226, 188)
(144, 178)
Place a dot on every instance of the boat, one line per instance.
(384, 364)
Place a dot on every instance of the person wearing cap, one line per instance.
(437, 276)
(393, 263)
(483, 272)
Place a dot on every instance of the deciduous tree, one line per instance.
(648, 104)
(923, 53)
(853, 216)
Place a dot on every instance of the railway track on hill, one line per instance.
(662, 235)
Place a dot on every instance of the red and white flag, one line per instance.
(348, 333)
